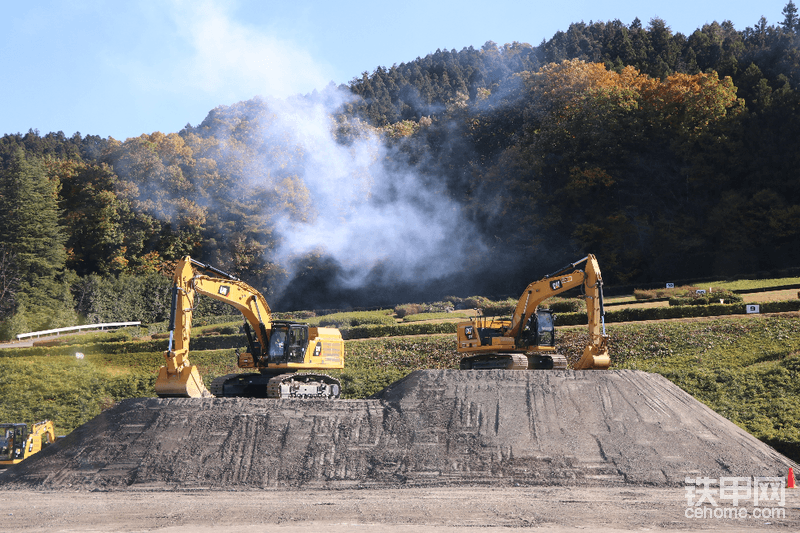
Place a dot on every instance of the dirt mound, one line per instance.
(433, 427)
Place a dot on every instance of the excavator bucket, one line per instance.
(184, 384)
(595, 357)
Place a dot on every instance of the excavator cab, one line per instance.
(539, 332)
(288, 343)
(545, 329)
(12, 442)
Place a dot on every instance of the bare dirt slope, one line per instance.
(433, 428)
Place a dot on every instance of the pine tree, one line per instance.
(790, 21)
(30, 230)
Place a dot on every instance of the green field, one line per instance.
(745, 367)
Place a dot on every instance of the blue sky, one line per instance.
(123, 68)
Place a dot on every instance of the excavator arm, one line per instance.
(45, 430)
(595, 354)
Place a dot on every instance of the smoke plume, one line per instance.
(373, 217)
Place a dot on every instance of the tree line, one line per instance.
(669, 156)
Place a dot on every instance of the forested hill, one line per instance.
(463, 172)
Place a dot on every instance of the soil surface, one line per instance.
(484, 509)
(446, 449)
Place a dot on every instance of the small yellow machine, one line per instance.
(527, 340)
(17, 444)
(278, 350)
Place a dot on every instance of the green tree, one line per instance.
(9, 282)
(790, 19)
(30, 223)
(30, 229)
(93, 219)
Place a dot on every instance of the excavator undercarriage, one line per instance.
(266, 385)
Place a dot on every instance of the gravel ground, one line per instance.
(546, 509)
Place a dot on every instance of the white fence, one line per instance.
(59, 331)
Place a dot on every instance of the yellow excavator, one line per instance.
(16, 443)
(278, 350)
(527, 340)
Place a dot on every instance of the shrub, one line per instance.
(645, 294)
(404, 310)
(294, 315)
(471, 302)
(224, 329)
(354, 318)
(713, 296)
(565, 305)
(499, 308)
(419, 317)
(663, 292)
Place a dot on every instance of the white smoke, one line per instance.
(367, 210)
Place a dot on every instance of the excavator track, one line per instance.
(289, 385)
(501, 361)
(217, 387)
(303, 385)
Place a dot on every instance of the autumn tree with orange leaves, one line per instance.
(608, 160)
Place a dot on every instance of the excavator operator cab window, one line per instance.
(288, 343)
(6, 444)
(297, 344)
(545, 330)
(12, 439)
(277, 345)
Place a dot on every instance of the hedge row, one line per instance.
(211, 342)
(161, 327)
(414, 328)
(710, 298)
(354, 319)
(635, 314)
